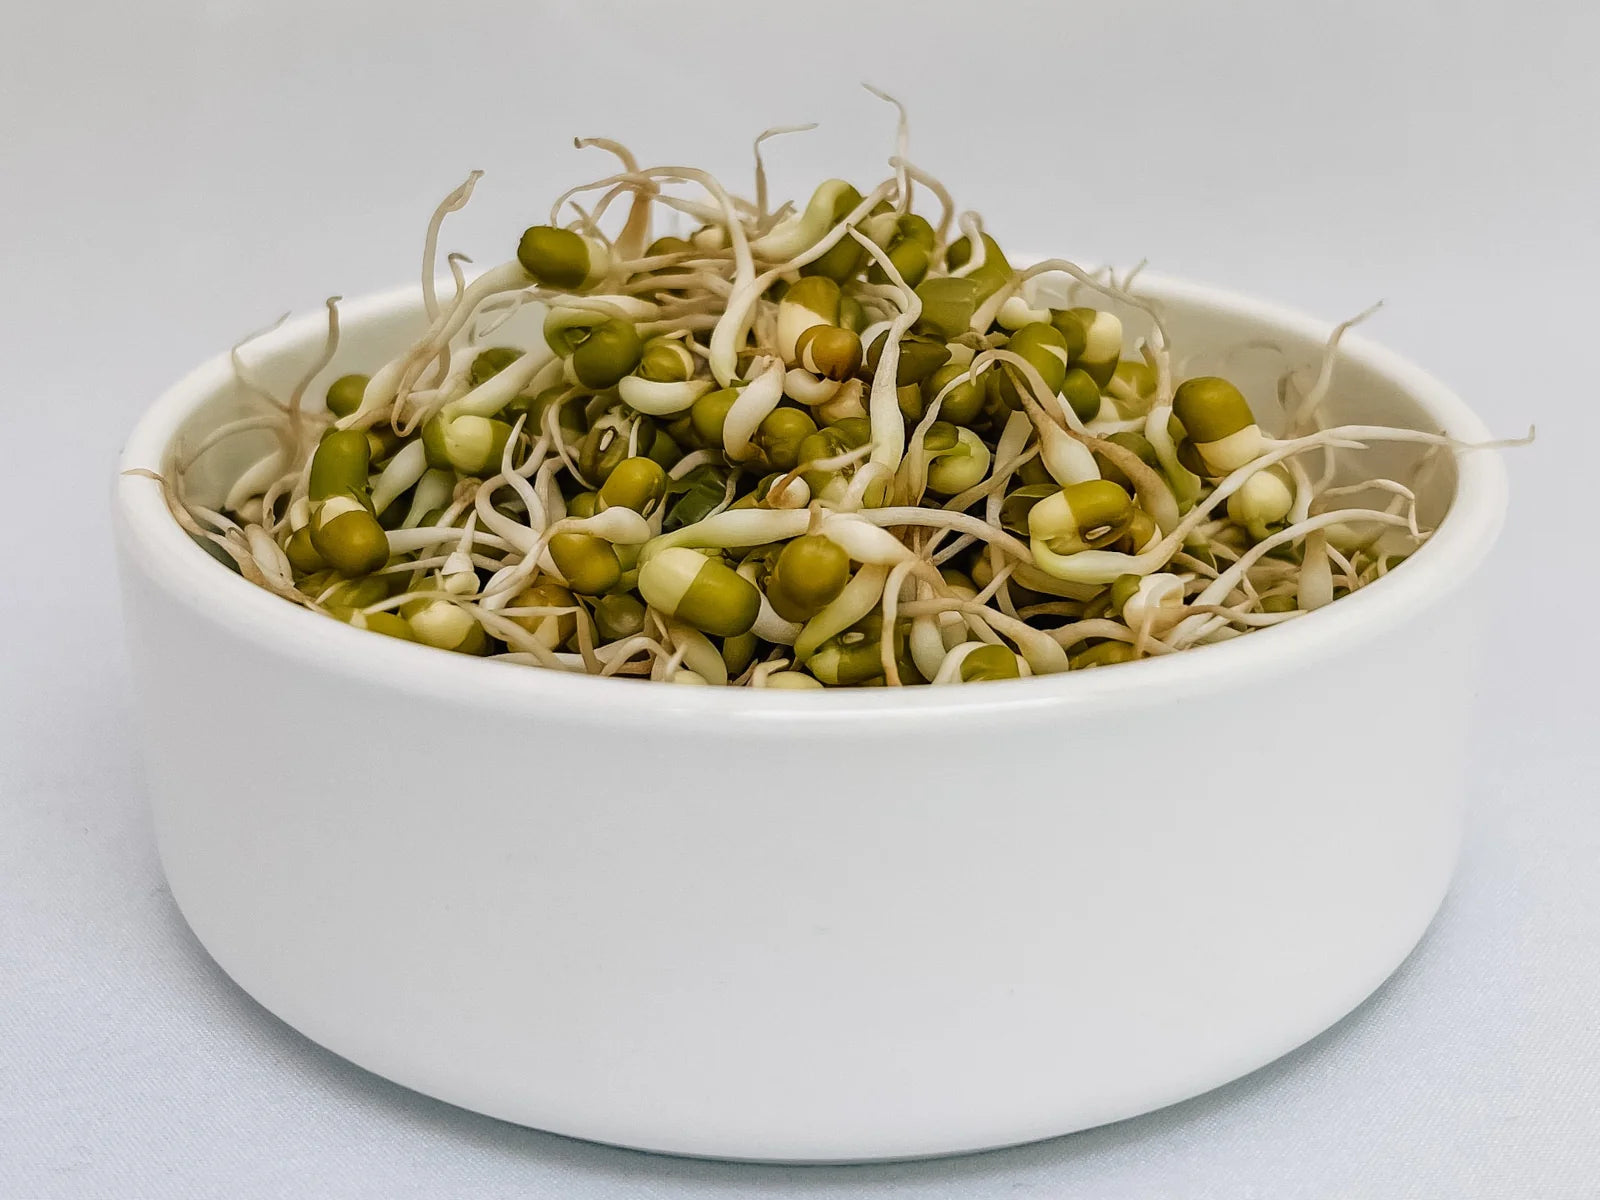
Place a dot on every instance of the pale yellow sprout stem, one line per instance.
(902, 150)
(454, 202)
(1300, 417)
(761, 167)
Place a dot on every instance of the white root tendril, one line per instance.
(454, 202)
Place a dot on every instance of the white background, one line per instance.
(173, 174)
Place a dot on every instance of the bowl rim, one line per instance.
(152, 542)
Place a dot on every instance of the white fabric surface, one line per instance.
(176, 173)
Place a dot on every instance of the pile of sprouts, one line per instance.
(798, 447)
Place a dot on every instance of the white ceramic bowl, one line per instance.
(807, 926)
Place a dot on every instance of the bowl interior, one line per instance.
(1252, 342)
(1239, 342)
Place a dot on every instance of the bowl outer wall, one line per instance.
(794, 926)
